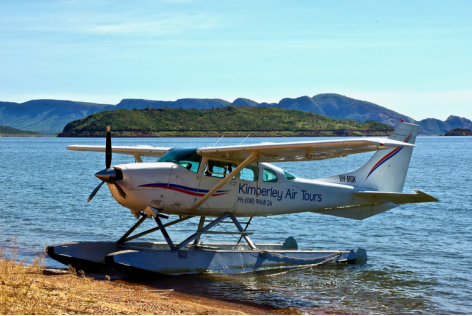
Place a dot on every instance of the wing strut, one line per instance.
(223, 181)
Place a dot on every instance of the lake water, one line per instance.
(419, 255)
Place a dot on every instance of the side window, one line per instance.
(248, 174)
(289, 176)
(218, 169)
(269, 176)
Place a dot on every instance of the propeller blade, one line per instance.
(95, 191)
(108, 149)
(117, 186)
(108, 175)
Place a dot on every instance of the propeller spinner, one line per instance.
(108, 175)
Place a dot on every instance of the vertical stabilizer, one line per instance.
(386, 170)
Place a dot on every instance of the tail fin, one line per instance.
(386, 170)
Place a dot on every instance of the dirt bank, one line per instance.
(31, 289)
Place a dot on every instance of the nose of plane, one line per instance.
(106, 174)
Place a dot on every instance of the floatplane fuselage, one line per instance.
(214, 180)
(262, 190)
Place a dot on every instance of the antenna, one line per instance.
(245, 139)
(218, 141)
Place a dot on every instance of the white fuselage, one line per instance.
(210, 181)
(171, 188)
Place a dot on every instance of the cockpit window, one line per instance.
(289, 176)
(186, 157)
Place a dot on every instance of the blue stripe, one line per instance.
(183, 187)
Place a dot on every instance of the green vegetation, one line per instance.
(228, 121)
(7, 131)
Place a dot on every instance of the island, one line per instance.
(230, 121)
(458, 132)
(7, 131)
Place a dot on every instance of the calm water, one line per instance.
(419, 255)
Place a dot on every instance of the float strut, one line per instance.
(202, 231)
(132, 229)
(240, 228)
(164, 233)
(200, 226)
(245, 228)
(155, 229)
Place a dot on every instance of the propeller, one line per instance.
(108, 175)
(95, 191)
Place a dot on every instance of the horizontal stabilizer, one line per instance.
(397, 198)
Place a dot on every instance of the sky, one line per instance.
(413, 57)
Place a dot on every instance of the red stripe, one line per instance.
(388, 155)
(182, 190)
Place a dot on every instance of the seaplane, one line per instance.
(223, 184)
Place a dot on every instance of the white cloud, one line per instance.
(108, 18)
(151, 26)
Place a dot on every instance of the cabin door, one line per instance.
(212, 173)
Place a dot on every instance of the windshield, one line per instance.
(186, 157)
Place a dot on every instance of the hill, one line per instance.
(228, 121)
(433, 126)
(7, 131)
(50, 116)
(458, 132)
(342, 107)
(47, 117)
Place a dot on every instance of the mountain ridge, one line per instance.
(50, 116)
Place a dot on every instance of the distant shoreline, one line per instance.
(8, 131)
(26, 136)
(204, 134)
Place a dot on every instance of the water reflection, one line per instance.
(330, 288)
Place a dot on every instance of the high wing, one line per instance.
(137, 151)
(300, 151)
(266, 152)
